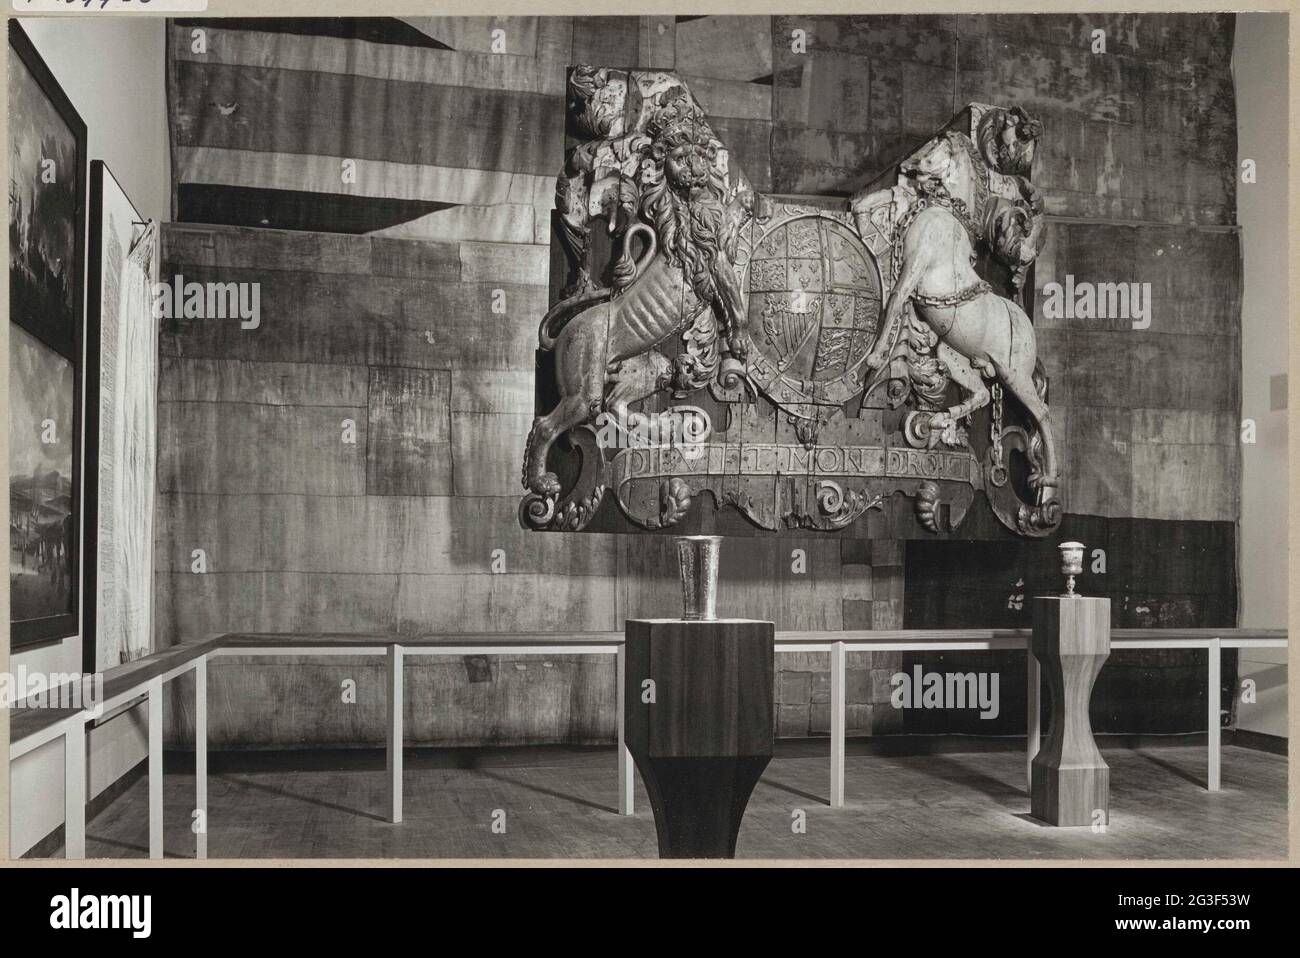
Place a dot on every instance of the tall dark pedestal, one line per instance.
(703, 742)
(1069, 780)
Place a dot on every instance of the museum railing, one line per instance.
(941, 639)
(31, 727)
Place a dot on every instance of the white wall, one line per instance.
(114, 73)
(1263, 126)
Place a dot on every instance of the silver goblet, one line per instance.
(1071, 564)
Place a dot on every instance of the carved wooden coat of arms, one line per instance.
(719, 360)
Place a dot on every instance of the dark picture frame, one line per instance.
(47, 257)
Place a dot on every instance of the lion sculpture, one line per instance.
(683, 281)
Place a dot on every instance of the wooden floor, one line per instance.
(559, 803)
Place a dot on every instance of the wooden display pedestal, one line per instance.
(702, 742)
(1069, 780)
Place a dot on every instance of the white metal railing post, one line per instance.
(155, 706)
(838, 718)
(394, 736)
(74, 788)
(200, 823)
(626, 767)
(1213, 722)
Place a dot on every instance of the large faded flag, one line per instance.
(432, 127)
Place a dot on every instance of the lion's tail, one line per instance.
(553, 323)
(626, 270)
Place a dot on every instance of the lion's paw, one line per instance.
(548, 484)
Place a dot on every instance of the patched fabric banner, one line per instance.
(429, 128)
(128, 453)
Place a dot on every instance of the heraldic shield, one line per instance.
(810, 365)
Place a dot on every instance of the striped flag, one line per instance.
(437, 128)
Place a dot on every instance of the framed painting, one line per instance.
(121, 424)
(47, 205)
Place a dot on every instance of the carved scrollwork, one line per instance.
(927, 505)
(1033, 519)
(574, 515)
(837, 507)
(841, 507)
(536, 511)
(927, 377)
(674, 501)
(1008, 138)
